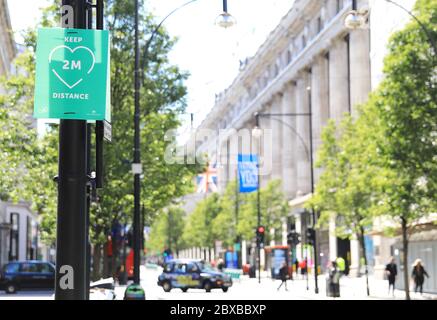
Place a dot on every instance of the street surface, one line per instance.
(249, 289)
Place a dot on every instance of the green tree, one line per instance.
(384, 163)
(224, 225)
(346, 188)
(162, 99)
(166, 231)
(274, 208)
(407, 103)
(198, 230)
(28, 170)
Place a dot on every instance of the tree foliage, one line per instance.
(167, 230)
(28, 164)
(384, 163)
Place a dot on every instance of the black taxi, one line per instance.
(192, 274)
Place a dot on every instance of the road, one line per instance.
(248, 289)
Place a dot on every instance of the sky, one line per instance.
(209, 53)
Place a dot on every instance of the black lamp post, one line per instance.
(258, 197)
(136, 165)
(309, 115)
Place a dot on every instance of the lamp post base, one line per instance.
(134, 292)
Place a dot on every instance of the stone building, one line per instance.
(309, 63)
(7, 44)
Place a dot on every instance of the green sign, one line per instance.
(72, 74)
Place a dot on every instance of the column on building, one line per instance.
(338, 105)
(276, 123)
(331, 9)
(284, 231)
(289, 172)
(243, 252)
(338, 80)
(272, 237)
(223, 169)
(320, 104)
(232, 155)
(332, 239)
(359, 52)
(266, 147)
(354, 270)
(302, 135)
(298, 223)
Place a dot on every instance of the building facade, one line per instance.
(18, 232)
(18, 224)
(7, 44)
(309, 63)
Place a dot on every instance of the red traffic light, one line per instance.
(261, 229)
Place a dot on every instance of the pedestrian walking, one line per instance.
(220, 265)
(418, 275)
(391, 270)
(303, 268)
(283, 273)
(333, 281)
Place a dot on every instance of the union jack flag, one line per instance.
(207, 181)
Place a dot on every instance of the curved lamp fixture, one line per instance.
(225, 20)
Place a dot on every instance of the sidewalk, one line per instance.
(350, 289)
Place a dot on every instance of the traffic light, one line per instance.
(260, 231)
(311, 236)
(293, 238)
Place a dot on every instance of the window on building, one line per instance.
(289, 56)
(339, 6)
(319, 24)
(304, 42)
(14, 236)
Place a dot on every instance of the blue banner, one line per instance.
(248, 172)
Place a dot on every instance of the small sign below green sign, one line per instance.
(72, 74)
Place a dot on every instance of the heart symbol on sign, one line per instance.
(71, 86)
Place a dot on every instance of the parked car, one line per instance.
(20, 275)
(186, 274)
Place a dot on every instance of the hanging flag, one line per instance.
(248, 172)
(207, 181)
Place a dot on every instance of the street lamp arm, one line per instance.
(273, 115)
(295, 132)
(155, 31)
(424, 28)
(352, 21)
